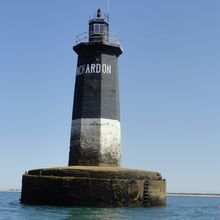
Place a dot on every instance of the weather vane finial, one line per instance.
(99, 13)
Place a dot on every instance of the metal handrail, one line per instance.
(107, 37)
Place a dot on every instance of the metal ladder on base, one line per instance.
(146, 202)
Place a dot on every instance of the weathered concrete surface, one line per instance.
(93, 187)
(97, 140)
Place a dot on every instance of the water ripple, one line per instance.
(178, 208)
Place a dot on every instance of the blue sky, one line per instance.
(169, 86)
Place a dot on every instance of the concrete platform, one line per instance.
(93, 186)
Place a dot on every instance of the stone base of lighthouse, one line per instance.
(93, 186)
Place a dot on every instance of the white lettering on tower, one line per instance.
(95, 68)
(92, 68)
(104, 68)
(109, 67)
(98, 68)
(87, 68)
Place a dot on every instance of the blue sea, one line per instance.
(178, 208)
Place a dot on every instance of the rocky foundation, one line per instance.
(93, 186)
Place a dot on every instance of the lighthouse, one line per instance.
(94, 177)
(95, 133)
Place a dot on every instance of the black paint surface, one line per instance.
(97, 94)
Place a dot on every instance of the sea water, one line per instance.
(178, 208)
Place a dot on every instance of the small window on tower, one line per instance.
(97, 29)
(101, 28)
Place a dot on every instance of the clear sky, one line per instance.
(169, 86)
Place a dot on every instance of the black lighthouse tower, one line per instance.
(93, 177)
(95, 133)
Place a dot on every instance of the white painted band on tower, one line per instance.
(102, 135)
